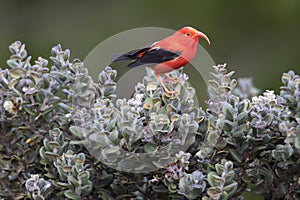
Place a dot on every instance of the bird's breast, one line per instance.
(170, 65)
(188, 51)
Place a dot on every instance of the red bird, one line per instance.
(168, 54)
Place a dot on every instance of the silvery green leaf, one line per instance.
(214, 193)
(77, 131)
(105, 179)
(239, 133)
(114, 136)
(81, 157)
(65, 107)
(282, 152)
(30, 111)
(268, 119)
(102, 78)
(224, 89)
(233, 100)
(22, 51)
(87, 188)
(236, 155)
(66, 168)
(227, 125)
(53, 100)
(233, 84)
(16, 57)
(61, 76)
(151, 86)
(214, 180)
(53, 144)
(297, 138)
(244, 146)
(242, 117)
(12, 84)
(17, 72)
(29, 91)
(228, 110)
(151, 148)
(230, 175)
(170, 108)
(71, 195)
(14, 47)
(112, 74)
(74, 181)
(216, 140)
(83, 176)
(266, 138)
(50, 176)
(172, 188)
(80, 142)
(192, 185)
(109, 90)
(111, 151)
(231, 188)
(285, 78)
(214, 84)
(62, 184)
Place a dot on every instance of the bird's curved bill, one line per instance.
(200, 34)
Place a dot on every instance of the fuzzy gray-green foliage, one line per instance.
(52, 114)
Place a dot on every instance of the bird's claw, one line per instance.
(170, 93)
(169, 78)
(166, 90)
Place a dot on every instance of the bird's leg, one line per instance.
(163, 85)
(169, 78)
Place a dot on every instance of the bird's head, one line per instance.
(192, 33)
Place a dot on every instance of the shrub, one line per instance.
(55, 121)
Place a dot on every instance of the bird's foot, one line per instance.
(169, 93)
(166, 90)
(169, 78)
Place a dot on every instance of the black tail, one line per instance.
(131, 55)
(120, 57)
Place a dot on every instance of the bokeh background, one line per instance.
(258, 39)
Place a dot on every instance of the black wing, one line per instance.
(147, 57)
(154, 56)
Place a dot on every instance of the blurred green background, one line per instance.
(258, 39)
(255, 38)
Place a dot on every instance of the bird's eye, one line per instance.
(187, 34)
